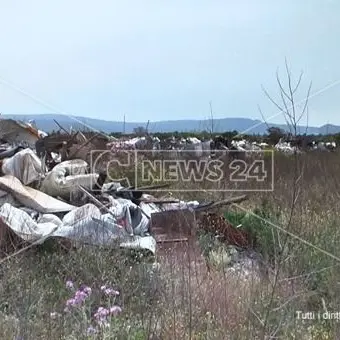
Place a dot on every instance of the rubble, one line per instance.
(47, 190)
(15, 132)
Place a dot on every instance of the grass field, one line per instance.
(297, 231)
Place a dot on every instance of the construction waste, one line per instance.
(47, 190)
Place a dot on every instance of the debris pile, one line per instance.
(48, 190)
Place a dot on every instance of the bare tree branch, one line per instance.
(263, 117)
(292, 119)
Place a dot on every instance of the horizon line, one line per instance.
(160, 121)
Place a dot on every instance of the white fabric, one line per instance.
(23, 225)
(84, 225)
(24, 165)
(120, 208)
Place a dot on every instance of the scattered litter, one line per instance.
(48, 190)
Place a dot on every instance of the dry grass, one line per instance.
(179, 302)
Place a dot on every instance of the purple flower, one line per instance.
(102, 312)
(102, 288)
(80, 297)
(91, 330)
(69, 284)
(101, 316)
(71, 302)
(115, 310)
(77, 300)
(87, 291)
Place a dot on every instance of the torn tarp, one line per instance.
(24, 165)
(129, 216)
(84, 225)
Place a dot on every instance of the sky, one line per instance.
(167, 60)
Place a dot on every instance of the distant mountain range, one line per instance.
(46, 123)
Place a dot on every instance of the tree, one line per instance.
(274, 134)
(140, 131)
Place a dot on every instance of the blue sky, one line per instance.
(165, 60)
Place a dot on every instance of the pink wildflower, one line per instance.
(101, 316)
(115, 310)
(87, 291)
(71, 302)
(102, 312)
(80, 296)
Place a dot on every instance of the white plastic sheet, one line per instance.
(84, 225)
(23, 225)
(24, 165)
(130, 216)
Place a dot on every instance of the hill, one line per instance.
(46, 123)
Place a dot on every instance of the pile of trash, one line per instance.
(49, 191)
